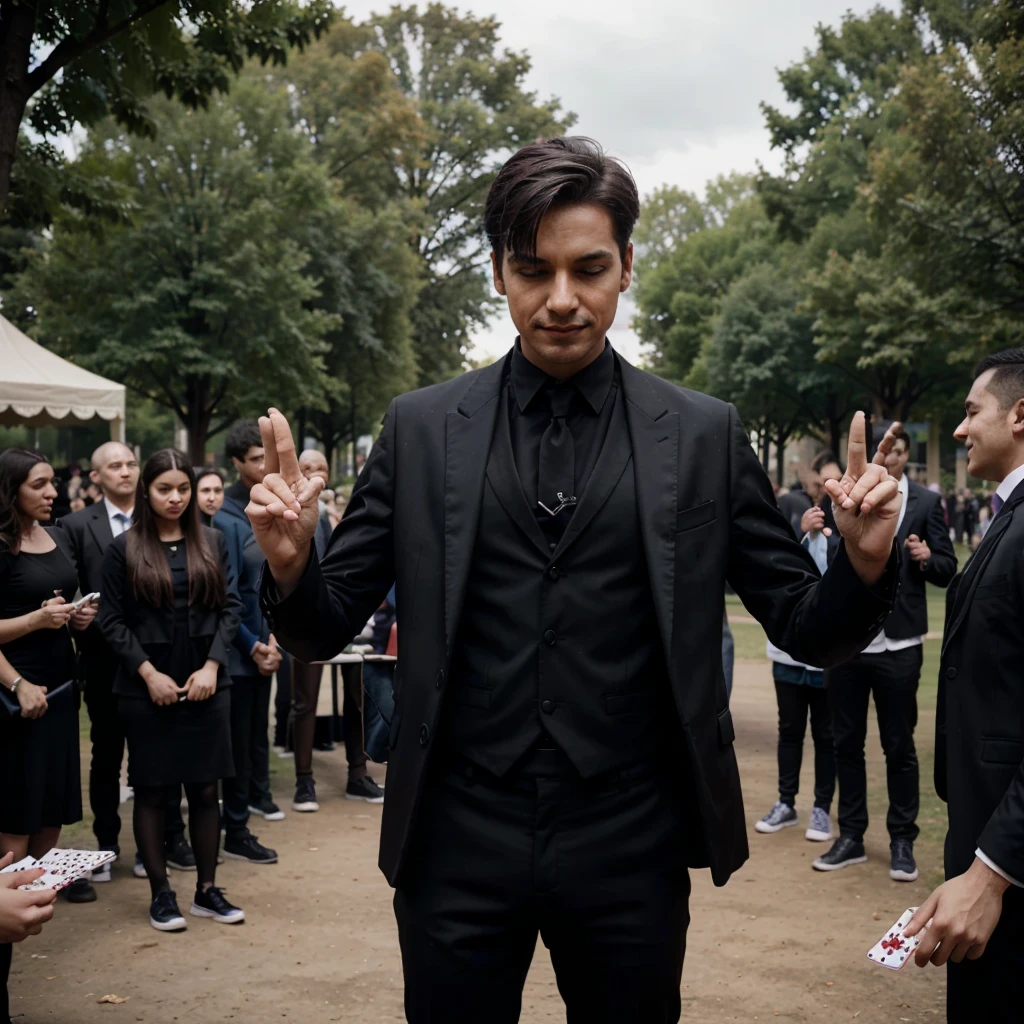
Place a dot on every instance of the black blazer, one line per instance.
(132, 629)
(708, 514)
(924, 517)
(979, 742)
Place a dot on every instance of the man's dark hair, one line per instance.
(823, 459)
(902, 435)
(245, 434)
(1007, 383)
(558, 172)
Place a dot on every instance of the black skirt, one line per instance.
(177, 743)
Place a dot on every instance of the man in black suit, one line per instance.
(889, 670)
(977, 917)
(115, 471)
(561, 526)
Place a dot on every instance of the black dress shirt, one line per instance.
(597, 387)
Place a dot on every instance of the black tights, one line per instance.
(149, 818)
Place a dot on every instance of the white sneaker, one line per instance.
(820, 828)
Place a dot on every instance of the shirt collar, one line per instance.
(593, 382)
(113, 511)
(1011, 483)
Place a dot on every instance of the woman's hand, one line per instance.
(83, 616)
(32, 699)
(54, 614)
(163, 690)
(22, 913)
(202, 685)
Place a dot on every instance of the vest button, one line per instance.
(551, 638)
(553, 573)
(424, 735)
(547, 706)
(951, 673)
(439, 681)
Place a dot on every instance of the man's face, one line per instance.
(210, 493)
(313, 464)
(118, 476)
(816, 480)
(988, 432)
(563, 300)
(251, 468)
(896, 460)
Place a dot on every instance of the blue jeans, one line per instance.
(379, 688)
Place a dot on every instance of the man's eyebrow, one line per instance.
(532, 261)
(597, 254)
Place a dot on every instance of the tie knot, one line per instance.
(560, 399)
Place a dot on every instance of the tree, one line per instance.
(73, 62)
(203, 302)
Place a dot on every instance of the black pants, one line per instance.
(352, 720)
(283, 703)
(596, 868)
(245, 695)
(988, 989)
(106, 733)
(891, 678)
(797, 701)
(259, 743)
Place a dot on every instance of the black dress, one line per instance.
(189, 741)
(40, 778)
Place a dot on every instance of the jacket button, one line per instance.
(551, 638)
(424, 735)
(951, 673)
(547, 706)
(439, 681)
(553, 573)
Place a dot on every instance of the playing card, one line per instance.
(894, 949)
(62, 867)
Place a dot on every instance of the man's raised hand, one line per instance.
(866, 504)
(284, 508)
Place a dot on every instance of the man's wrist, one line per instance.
(869, 571)
(989, 877)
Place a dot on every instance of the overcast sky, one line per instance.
(673, 87)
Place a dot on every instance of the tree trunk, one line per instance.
(302, 418)
(199, 413)
(15, 51)
(780, 455)
(765, 444)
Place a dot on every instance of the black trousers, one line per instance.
(106, 734)
(597, 869)
(259, 743)
(283, 703)
(352, 720)
(891, 678)
(796, 702)
(988, 989)
(245, 694)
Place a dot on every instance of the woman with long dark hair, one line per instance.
(40, 788)
(169, 610)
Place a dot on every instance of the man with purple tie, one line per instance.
(975, 921)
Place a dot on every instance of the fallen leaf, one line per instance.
(314, 849)
(112, 999)
(876, 917)
(829, 984)
(49, 977)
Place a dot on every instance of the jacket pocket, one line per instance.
(695, 516)
(1002, 751)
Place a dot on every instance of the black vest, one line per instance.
(562, 642)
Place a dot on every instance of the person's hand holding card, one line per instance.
(894, 949)
(22, 913)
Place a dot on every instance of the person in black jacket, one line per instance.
(889, 670)
(560, 527)
(975, 921)
(169, 611)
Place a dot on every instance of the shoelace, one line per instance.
(216, 896)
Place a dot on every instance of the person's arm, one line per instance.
(817, 621)
(231, 614)
(327, 602)
(940, 567)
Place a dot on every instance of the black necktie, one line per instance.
(556, 467)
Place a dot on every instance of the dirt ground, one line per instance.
(780, 942)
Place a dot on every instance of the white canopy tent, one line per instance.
(38, 388)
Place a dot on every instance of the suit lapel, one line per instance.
(654, 436)
(99, 526)
(470, 427)
(904, 530)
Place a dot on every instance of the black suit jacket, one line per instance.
(925, 518)
(707, 512)
(979, 744)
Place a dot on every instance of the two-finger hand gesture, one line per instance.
(866, 504)
(283, 509)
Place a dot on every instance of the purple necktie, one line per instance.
(997, 504)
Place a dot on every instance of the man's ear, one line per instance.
(1017, 418)
(499, 282)
(94, 476)
(627, 269)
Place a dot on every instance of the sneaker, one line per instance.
(245, 846)
(843, 853)
(164, 914)
(820, 828)
(284, 752)
(305, 796)
(180, 856)
(211, 903)
(267, 809)
(903, 867)
(79, 891)
(324, 746)
(364, 789)
(139, 869)
(779, 817)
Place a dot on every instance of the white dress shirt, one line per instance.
(117, 525)
(1004, 490)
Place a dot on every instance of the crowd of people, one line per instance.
(144, 602)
